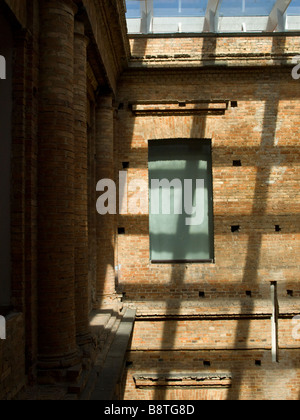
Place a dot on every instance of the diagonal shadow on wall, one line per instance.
(178, 271)
(255, 238)
(269, 96)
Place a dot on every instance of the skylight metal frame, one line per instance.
(277, 17)
(147, 13)
(212, 16)
(212, 22)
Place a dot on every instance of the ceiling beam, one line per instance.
(277, 17)
(212, 16)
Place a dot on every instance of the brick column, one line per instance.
(92, 216)
(56, 295)
(81, 185)
(105, 224)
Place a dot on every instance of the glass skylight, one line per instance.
(235, 8)
(133, 9)
(173, 16)
(294, 8)
(171, 8)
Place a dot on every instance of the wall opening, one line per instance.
(181, 201)
(235, 228)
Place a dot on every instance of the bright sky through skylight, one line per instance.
(246, 7)
(161, 15)
(170, 8)
(294, 8)
(133, 9)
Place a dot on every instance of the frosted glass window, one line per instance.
(181, 207)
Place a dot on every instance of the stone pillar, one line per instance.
(105, 224)
(56, 254)
(81, 185)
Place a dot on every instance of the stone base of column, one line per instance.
(71, 382)
(64, 369)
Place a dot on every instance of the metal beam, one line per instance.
(277, 17)
(212, 16)
(146, 16)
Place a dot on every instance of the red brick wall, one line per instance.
(262, 132)
(248, 381)
(19, 8)
(105, 19)
(28, 127)
(22, 328)
(177, 50)
(192, 335)
(12, 357)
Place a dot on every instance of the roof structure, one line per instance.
(212, 16)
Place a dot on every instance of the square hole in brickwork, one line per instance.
(235, 228)
(202, 294)
(234, 104)
(277, 228)
(206, 363)
(237, 163)
(258, 362)
(125, 165)
(290, 293)
(248, 293)
(121, 231)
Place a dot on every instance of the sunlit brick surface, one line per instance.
(86, 101)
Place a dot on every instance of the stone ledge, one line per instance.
(111, 372)
(204, 309)
(225, 62)
(288, 307)
(180, 380)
